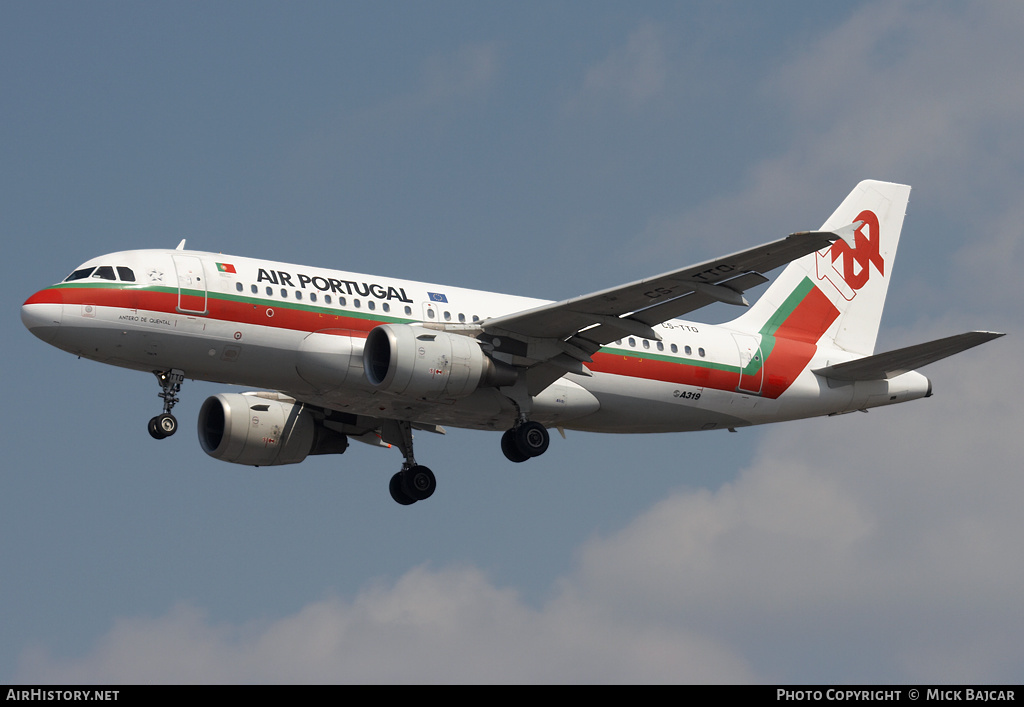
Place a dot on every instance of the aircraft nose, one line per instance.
(41, 314)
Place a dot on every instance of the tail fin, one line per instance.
(837, 294)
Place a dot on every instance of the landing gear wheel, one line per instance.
(167, 424)
(154, 430)
(397, 491)
(414, 482)
(511, 449)
(531, 439)
(163, 426)
(418, 482)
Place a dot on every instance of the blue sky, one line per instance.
(538, 148)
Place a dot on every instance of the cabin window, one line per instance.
(371, 305)
(632, 342)
(125, 274)
(647, 344)
(430, 313)
(341, 301)
(689, 351)
(661, 346)
(701, 352)
(270, 291)
(675, 349)
(462, 317)
(356, 303)
(238, 286)
(386, 307)
(312, 297)
(476, 318)
(408, 310)
(284, 293)
(327, 299)
(254, 289)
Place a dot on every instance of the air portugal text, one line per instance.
(331, 284)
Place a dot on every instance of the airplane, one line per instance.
(343, 356)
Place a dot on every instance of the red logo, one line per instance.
(848, 269)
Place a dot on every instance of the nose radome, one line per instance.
(41, 314)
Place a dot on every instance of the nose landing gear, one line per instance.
(165, 424)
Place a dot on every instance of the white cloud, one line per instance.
(447, 81)
(470, 69)
(879, 547)
(630, 76)
(430, 626)
(923, 94)
(903, 87)
(893, 534)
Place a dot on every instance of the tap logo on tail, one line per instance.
(849, 268)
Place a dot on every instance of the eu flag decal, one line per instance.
(437, 297)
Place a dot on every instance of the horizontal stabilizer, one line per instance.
(893, 363)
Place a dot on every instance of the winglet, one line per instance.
(181, 246)
(848, 233)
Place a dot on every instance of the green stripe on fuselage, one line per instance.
(779, 316)
(241, 299)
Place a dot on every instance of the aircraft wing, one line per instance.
(893, 363)
(573, 329)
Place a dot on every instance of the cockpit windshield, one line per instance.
(103, 272)
(79, 274)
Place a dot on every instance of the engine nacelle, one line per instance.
(258, 431)
(423, 363)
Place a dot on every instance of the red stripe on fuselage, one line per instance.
(667, 371)
(255, 313)
(50, 295)
(796, 342)
(794, 345)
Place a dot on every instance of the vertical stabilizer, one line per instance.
(837, 294)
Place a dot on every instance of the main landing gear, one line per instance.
(417, 483)
(414, 482)
(165, 424)
(525, 441)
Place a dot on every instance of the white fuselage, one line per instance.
(301, 330)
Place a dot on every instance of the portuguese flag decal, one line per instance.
(225, 267)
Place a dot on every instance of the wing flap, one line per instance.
(699, 298)
(893, 363)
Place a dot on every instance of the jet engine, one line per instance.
(261, 431)
(423, 363)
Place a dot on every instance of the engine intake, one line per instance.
(421, 363)
(257, 431)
